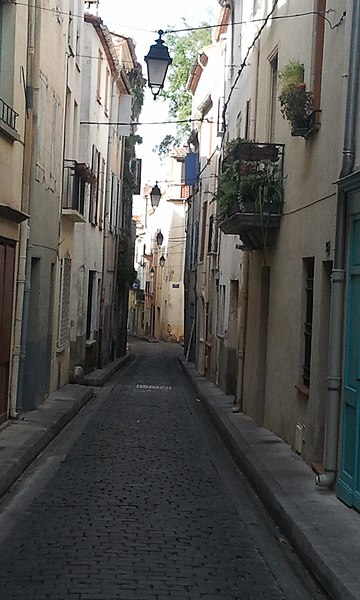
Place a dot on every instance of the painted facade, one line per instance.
(275, 277)
(14, 173)
(63, 294)
(158, 305)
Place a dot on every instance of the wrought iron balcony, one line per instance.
(250, 192)
(75, 177)
(8, 115)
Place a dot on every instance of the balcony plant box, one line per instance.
(250, 205)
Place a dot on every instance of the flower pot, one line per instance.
(300, 127)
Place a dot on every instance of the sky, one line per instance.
(140, 20)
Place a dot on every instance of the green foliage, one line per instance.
(164, 146)
(137, 85)
(228, 190)
(295, 100)
(126, 274)
(184, 49)
(244, 183)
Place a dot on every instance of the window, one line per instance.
(64, 301)
(203, 231)
(247, 120)
(213, 235)
(193, 246)
(95, 167)
(90, 306)
(114, 201)
(309, 301)
(100, 208)
(54, 141)
(221, 312)
(1, 34)
(107, 92)
(256, 6)
(98, 82)
(273, 95)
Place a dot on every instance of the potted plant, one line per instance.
(262, 191)
(228, 190)
(295, 100)
(257, 191)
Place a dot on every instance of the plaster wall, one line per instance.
(13, 58)
(307, 230)
(45, 204)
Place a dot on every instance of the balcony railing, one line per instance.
(76, 176)
(250, 192)
(8, 115)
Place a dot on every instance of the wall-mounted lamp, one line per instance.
(155, 195)
(157, 61)
(162, 260)
(152, 272)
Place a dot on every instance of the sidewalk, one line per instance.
(22, 440)
(325, 532)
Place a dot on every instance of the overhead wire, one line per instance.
(56, 11)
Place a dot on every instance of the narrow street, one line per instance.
(139, 499)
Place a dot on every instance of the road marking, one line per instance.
(143, 386)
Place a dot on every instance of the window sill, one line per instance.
(302, 389)
(90, 343)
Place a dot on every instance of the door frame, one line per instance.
(348, 482)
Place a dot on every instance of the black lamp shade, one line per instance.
(159, 238)
(155, 196)
(157, 62)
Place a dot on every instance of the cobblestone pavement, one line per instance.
(138, 510)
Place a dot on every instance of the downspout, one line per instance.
(243, 301)
(24, 227)
(20, 290)
(105, 237)
(338, 273)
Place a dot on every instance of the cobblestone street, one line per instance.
(138, 509)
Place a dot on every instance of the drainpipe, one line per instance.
(24, 268)
(20, 290)
(238, 401)
(338, 274)
(108, 199)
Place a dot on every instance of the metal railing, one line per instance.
(8, 115)
(73, 187)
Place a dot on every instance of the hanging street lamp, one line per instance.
(159, 238)
(155, 196)
(162, 260)
(157, 61)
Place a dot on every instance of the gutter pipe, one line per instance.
(338, 273)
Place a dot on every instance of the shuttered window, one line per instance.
(64, 301)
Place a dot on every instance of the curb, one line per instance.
(320, 557)
(98, 377)
(22, 441)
